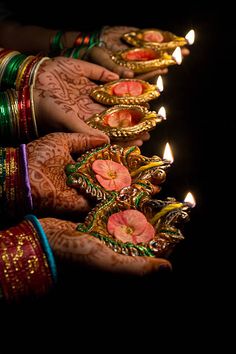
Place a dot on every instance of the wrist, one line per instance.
(27, 266)
(15, 191)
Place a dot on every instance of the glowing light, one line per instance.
(168, 153)
(162, 112)
(160, 84)
(177, 55)
(190, 199)
(190, 37)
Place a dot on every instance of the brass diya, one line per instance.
(142, 60)
(125, 122)
(155, 39)
(147, 173)
(168, 214)
(125, 91)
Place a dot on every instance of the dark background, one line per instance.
(198, 128)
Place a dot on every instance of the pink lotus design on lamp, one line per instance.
(128, 88)
(153, 36)
(141, 54)
(130, 226)
(123, 118)
(111, 175)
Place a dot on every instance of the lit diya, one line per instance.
(148, 228)
(125, 122)
(142, 60)
(158, 39)
(126, 91)
(126, 218)
(103, 171)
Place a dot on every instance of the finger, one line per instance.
(91, 251)
(152, 74)
(185, 51)
(137, 142)
(78, 143)
(102, 57)
(97, 72)
(79, 126)
(72, 203)
(145, 136)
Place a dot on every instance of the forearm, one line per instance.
(27, 266)
(35, 39)
(15, 191)
(14, 35)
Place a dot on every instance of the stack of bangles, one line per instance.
(17, 77)
(27, 265)
(82, 44)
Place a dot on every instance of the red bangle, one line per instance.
(24, 268)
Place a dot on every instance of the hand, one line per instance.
(61, 95)
(47, 158)
(102, 56)
(112, 38)
(67, 243)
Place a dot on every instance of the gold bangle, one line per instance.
(35, 70)
(21, 71)
(33, 110)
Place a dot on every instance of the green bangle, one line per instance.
(56, 46)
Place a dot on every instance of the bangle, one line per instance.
(25, 173)
(33, 111)
(24, 267)
(56, 45)
(15, 189)
(45, 245)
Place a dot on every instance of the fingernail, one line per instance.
(164, 268)
(128, 73)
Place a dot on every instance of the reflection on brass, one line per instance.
(163, 60)
(170, 41)
(103, 93)
(148, 121)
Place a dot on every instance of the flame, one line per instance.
(168, 153)
(190, 37)
(162, 112)
(177, 55)
(190, 199)
(160, 84)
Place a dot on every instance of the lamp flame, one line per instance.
(160, 84)
(190, 37)
(168, 153)
(177, 55)
(162, 112)
(190, 200)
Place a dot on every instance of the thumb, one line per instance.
(79, 126)
(78, 142)
(102, 57)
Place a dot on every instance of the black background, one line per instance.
(198, 128)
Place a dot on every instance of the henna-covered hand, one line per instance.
(67, 243)
(111, 36)
(62, 96)
(47, 158)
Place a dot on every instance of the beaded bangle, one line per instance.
(24, 266)
(14, 183)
